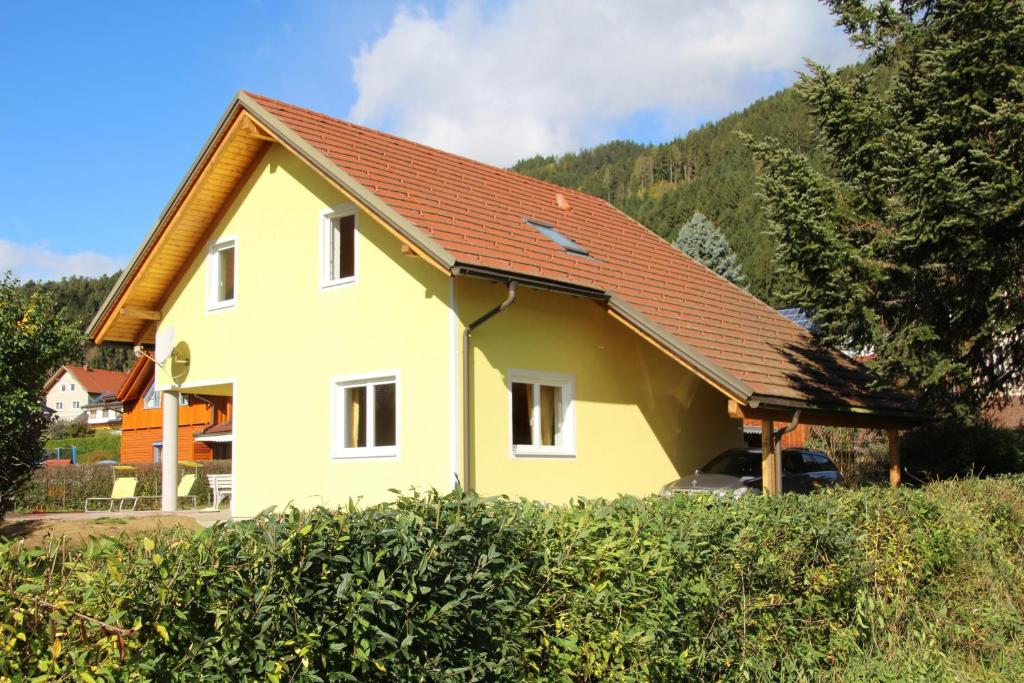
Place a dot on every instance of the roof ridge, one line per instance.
(436, 150)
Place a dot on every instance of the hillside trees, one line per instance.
(701, 239)
(80, 297)
(35, 338)
(914, 243)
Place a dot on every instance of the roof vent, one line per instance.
(558, 238)
(562, 202)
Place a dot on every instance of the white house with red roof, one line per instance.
(81, 392)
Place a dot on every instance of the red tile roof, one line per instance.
(476, 212)
(97, 381)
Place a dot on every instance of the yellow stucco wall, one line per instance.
(286, 338)
(642, 420)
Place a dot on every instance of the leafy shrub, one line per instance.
(862, 455)
(950, 449)
(69, 429)
(439, 588)
(55, 489)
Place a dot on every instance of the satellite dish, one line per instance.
(164, 344)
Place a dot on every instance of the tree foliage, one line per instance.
(701, 239)
(34, 340)
(913, 244)
(80, 297)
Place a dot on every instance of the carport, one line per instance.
(777, 420)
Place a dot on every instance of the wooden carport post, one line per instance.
(894, 457)
(771, 474)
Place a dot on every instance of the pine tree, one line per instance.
(914, 244)
(701, 239)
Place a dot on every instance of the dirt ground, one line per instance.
(35, 530)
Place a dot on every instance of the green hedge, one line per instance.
(58, 489)
(859, 585)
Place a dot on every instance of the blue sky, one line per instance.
(104, 105)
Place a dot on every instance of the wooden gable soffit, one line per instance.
(141, 314)
(131, 311)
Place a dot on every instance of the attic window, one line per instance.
(558, 238)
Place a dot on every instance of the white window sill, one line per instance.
(220, 306)
(384, 453)
(331, 284)
(542, 452)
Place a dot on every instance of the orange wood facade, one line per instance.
(794, 439)
(142, 427)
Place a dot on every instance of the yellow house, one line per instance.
(389, 316)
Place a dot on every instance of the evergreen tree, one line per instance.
(914, 245)
(80, 297)
(701, 239)
(34, 340)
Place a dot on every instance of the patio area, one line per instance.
(80, 526)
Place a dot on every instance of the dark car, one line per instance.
(737, 472)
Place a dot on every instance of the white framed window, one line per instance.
(221, 274)
(542, 414)
(75, 404)
(60, 405)
(63, 387)
(152, 399)
(72, 386)
(338, 251)
(365, 419)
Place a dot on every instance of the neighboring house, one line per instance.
(204, 422)
(104, 412)
(73, 387)
(388, 316)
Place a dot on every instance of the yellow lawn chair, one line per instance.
(185, 488)
(123, 490)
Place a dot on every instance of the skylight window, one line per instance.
(558, 238)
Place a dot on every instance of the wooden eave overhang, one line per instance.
(139, 378)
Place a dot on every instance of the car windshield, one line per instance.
(737, 463)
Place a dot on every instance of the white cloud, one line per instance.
(41, 262)
(547, 76)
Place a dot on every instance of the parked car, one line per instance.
(737, 472)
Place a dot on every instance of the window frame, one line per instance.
(213, 274)
(59, 405)
(156, 396)
(327, 218)
(567, 383)
(76, 404)
(339, 420)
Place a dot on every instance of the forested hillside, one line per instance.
(708, 170)
(80, 297)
